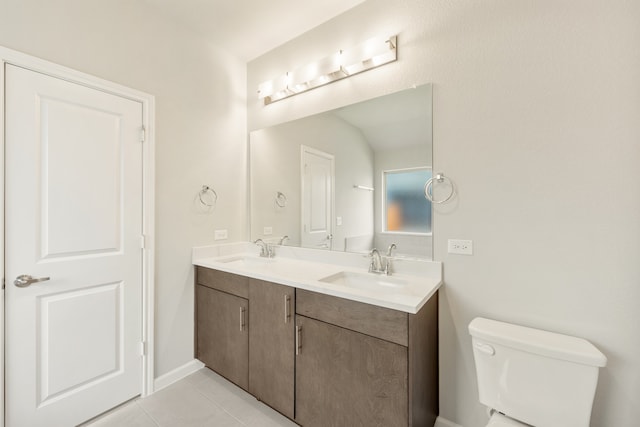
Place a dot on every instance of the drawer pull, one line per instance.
(287, 308)
(298, 339)
(242, 321)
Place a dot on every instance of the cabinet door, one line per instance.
(222, 334)
(271, 345)
(345, 378)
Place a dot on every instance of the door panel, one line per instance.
(317, 198)
(91, 316)
(223, 338)
(345, 378)
(73, 214)
(271, 345)
(100, 215)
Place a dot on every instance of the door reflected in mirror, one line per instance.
(353, 177)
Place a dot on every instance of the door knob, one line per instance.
(25, 280)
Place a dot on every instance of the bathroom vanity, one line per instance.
(310, 340)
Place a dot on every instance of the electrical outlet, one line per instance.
(267, 231)
(461, 247)
(220, 235)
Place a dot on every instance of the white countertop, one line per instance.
(407, 290)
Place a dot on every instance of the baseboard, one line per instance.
(177, 374)
(443, 422)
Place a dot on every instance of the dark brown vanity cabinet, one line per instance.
(222, 324)
(259, 357)
(271, 345)
(345, 378)
(359, 364)
(320, 360)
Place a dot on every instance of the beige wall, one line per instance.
(536, 119)
(200, 124)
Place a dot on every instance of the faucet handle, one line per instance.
(391, 248)
(388, 268)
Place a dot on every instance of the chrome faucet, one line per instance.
(283, 239)
(265, 249)
(376, 262)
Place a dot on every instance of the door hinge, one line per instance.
(143, 134)
(143, 242)
(143, 348)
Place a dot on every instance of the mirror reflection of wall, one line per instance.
(368, 140)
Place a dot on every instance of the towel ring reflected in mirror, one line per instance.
(428, 188)
(208, 196)
(281, 199)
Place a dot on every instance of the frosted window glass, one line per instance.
(405, 207)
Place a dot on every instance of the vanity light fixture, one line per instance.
(344, 63)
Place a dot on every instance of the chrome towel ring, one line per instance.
(428, 188)
(208, 196)
(281, 199)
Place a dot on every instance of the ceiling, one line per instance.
(250, 28)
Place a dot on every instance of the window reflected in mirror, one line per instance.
(405, 207)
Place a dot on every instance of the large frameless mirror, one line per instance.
(349, 179)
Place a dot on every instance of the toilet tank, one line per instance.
(536, 377)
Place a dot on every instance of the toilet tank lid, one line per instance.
(536, 341)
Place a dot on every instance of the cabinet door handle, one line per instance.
(298, 339)
(287, 308)
(242, 322)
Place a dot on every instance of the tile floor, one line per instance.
(202, 399)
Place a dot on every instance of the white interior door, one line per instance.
(73, 214)
(317, 198)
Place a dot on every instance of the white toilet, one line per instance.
(531, 377)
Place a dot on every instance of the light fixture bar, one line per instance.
(344, 63)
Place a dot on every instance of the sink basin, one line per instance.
(366, 281)
(246, 260)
